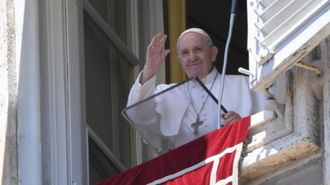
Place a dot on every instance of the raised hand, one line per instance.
(155, 57)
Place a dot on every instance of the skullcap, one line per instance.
(196, 30)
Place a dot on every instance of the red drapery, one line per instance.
(206, 160)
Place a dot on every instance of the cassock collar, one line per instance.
(210, 77)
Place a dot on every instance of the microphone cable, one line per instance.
(223, 74)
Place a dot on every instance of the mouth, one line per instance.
(195, 64)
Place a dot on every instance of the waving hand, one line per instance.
(155, 57)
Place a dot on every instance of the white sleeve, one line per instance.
(238, 96)
(139, 92)
(149, 127)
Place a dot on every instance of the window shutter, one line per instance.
(280, 33)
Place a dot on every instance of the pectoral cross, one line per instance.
(196, 125)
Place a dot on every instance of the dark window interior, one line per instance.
(213, 16)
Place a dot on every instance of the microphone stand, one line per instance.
(223, 74)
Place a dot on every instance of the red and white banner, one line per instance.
(211, 159)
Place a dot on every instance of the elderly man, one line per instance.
(196, 54)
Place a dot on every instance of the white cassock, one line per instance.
(171, 127)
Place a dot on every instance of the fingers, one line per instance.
(155, 57)
(155, 51)
(230, 117)
(158, 42)
(164, 54)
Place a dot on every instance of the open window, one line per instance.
(280, 33)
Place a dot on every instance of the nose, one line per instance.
(192, 56)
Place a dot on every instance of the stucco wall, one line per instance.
(305, 174)
(8, 94)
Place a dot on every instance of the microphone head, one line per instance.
(233, 6)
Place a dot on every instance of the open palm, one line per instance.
(155, 55)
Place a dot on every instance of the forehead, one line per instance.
(191, 39)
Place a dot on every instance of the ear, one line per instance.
(214, 53)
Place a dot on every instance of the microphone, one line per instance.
(233, 6)
(223, 74)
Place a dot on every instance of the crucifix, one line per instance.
(196, 125)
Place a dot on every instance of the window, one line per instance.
(109, 66)
(280, 33)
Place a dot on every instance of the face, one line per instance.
(195, 55)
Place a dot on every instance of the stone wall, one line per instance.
(293, 147)
(8, 94)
